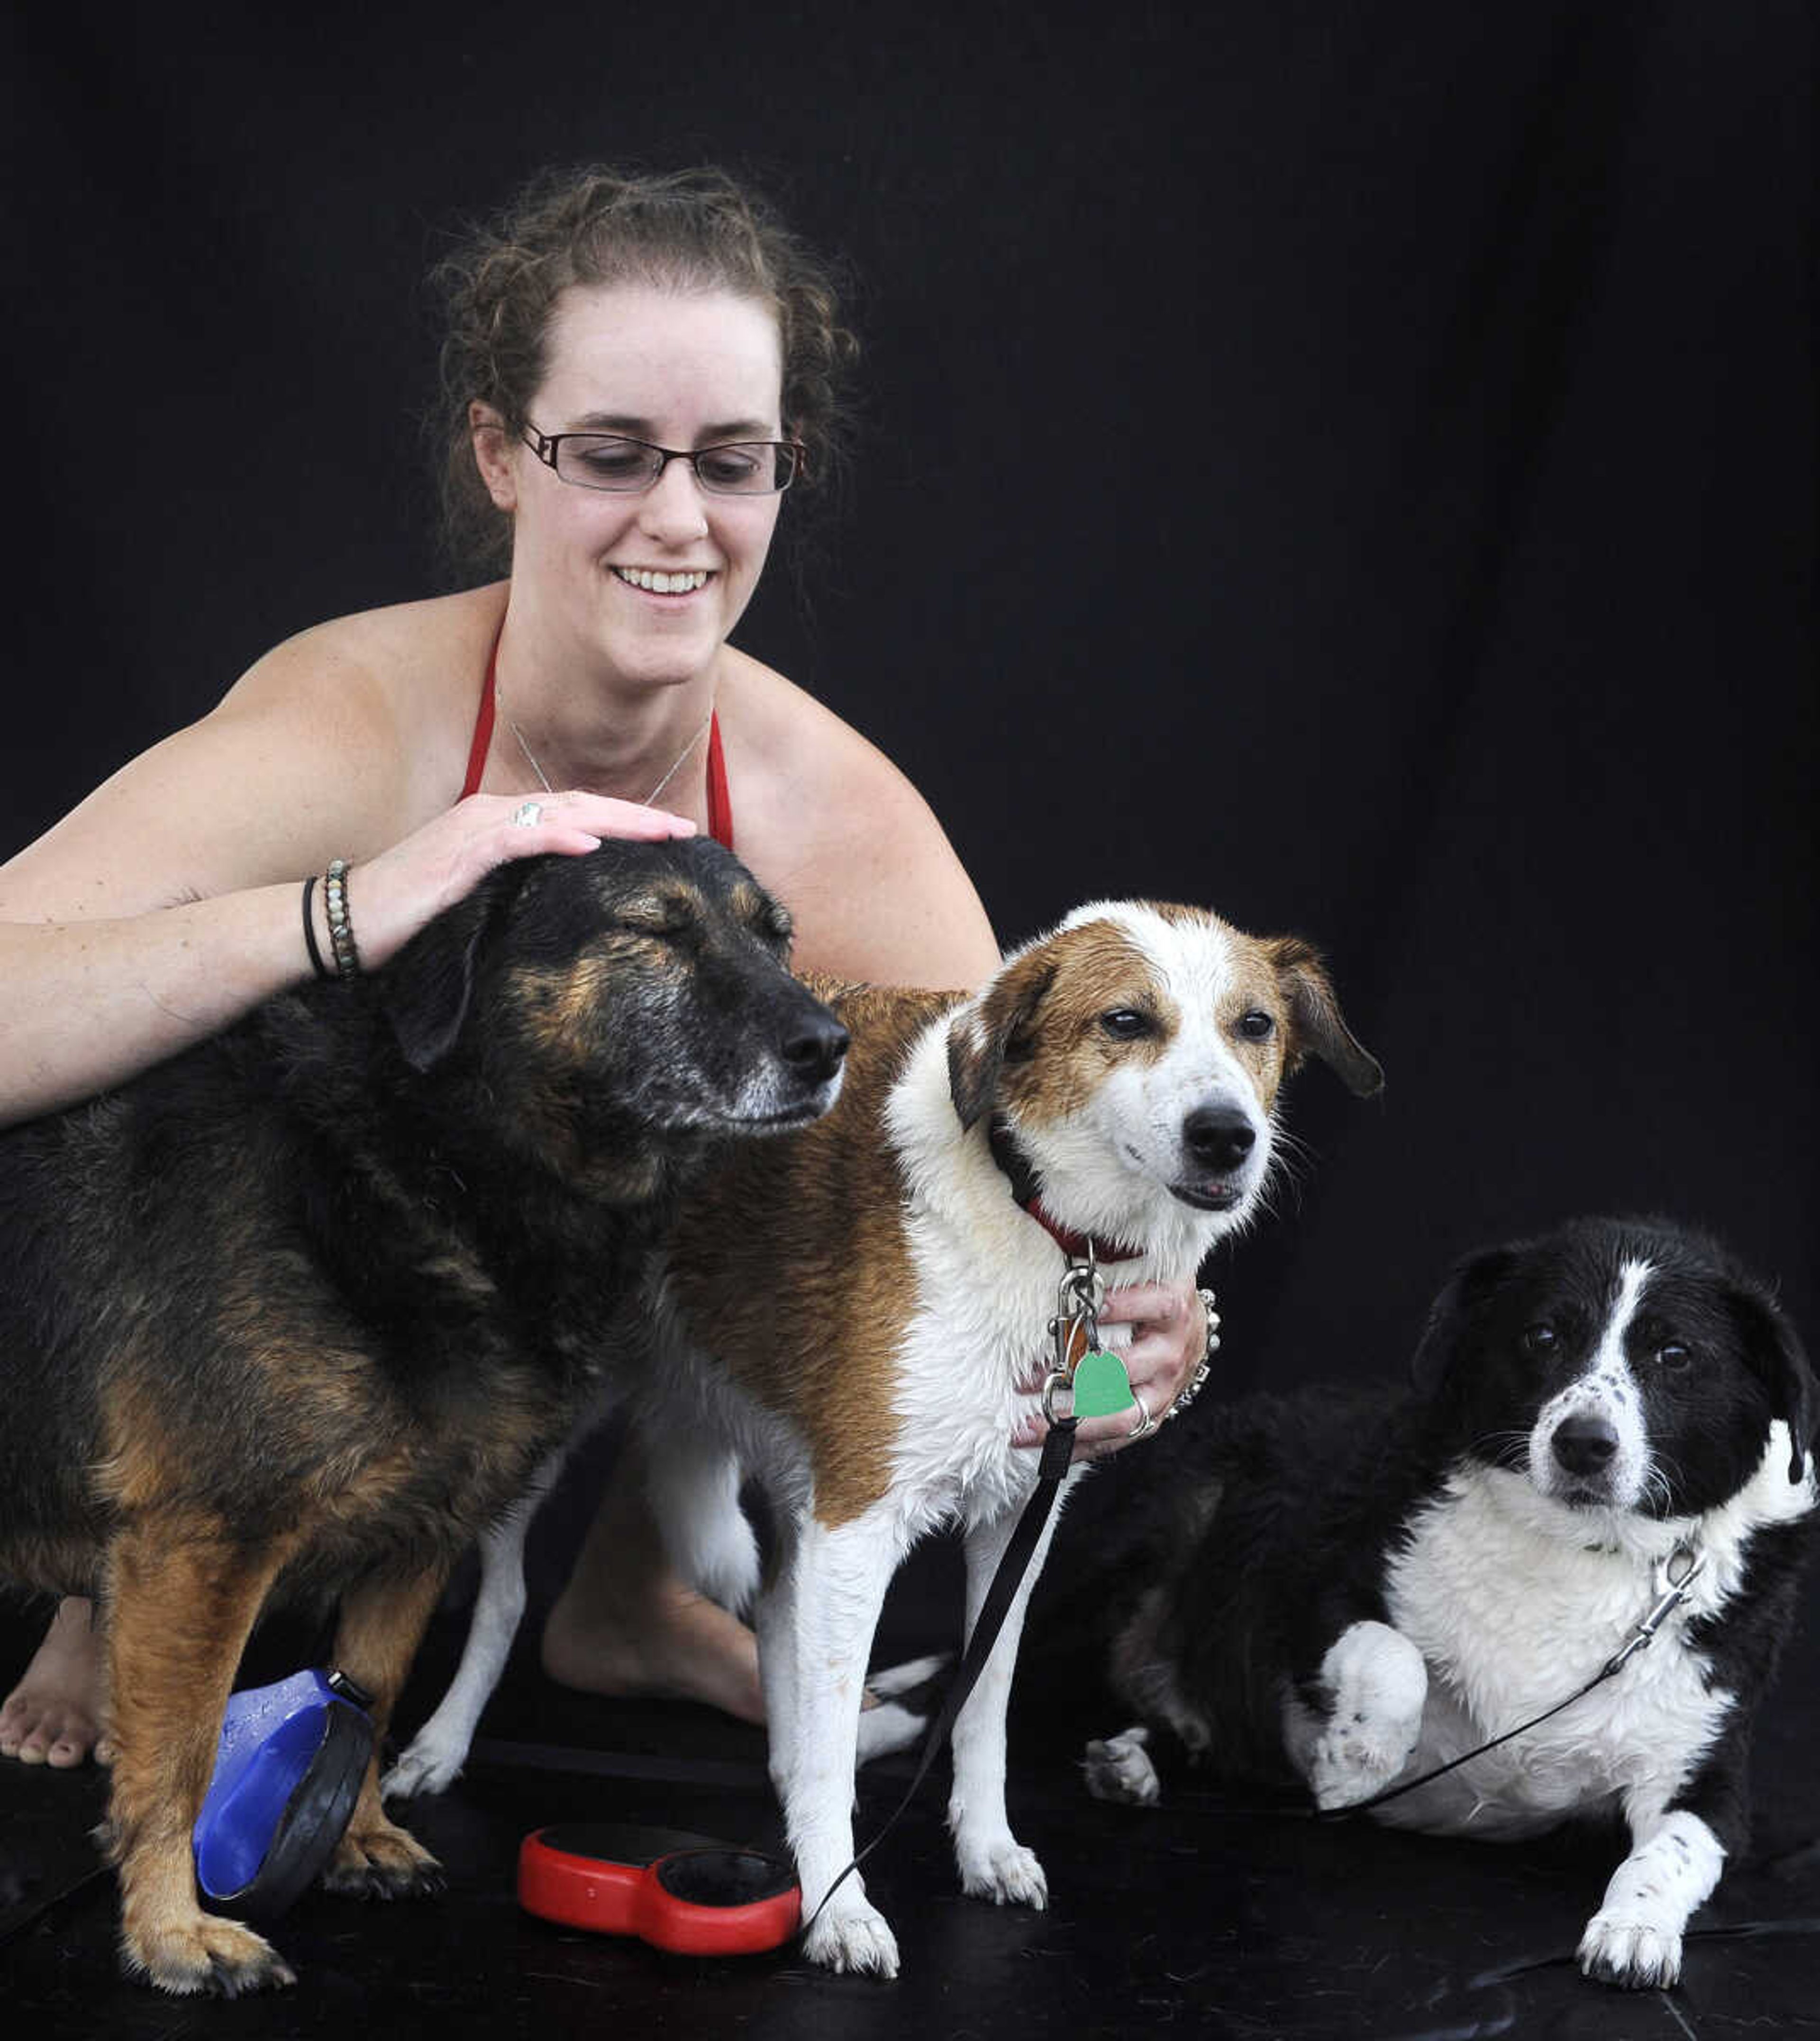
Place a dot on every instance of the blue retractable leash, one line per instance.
(287, 1774)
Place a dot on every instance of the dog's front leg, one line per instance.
(181, 1605)
(992, 1863)
(1634, 1939)
(815, 1625)
(382, 1621)
(440, 1748)
(1365, 1719)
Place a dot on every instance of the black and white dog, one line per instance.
(1356, 1590)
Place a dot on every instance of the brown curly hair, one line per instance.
(686, 230)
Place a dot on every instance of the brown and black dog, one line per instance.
(302, 1309)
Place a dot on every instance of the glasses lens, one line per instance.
(750, 467)
(595, 460)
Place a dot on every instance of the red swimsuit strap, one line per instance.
(719, 801)
(483, 742)
(719, 804)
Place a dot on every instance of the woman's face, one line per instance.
(685, 370)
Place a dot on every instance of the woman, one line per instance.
(635, 369)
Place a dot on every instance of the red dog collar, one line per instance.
(1022, 1178)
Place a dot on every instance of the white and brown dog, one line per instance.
(856, 1315)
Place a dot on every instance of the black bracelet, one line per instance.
(340, 929)
(323, 970)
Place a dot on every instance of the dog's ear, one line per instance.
(1773, 1352)
(1472, 1281)
(1317, 1028)
(428, 987)
(993, 1030)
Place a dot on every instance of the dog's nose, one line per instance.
(1217, 1137)
(814, 1047)
(1585, 1442)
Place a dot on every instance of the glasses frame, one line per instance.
(546, 445)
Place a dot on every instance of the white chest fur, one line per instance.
(975, 1344)
(1511, 1617)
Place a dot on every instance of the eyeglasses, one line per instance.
(628, 467)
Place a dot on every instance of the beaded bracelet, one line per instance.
(340, 929)
(323, 970)
(1198, 1381)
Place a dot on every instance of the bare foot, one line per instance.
(53, 1716)
(666, 1640)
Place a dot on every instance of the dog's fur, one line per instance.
(857, 1317)
(1347, 1589)
(302, 1308)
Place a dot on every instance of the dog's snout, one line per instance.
(814, 1046)
(1219, 1137)
(1585, 1442)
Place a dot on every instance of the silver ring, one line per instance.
(1145, 1424)
(527, 815)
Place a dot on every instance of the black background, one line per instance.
(1351, 466)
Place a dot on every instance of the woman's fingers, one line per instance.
(392, 895)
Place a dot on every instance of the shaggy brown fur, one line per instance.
(304, 1308)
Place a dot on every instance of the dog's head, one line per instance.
(1136, 1054)
(644, 986)
(1627, 1366)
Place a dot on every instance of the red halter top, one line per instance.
(720, 805)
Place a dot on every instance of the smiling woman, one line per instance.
(636, 369)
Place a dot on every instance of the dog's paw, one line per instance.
(201, 1952)
(999, 1868)
(381, 1861)
(1630, 1949)
(889, 1726)
(1119, 1769)
(893, 1681)
(1634, 1939)
(430, 1766)
(853, 1935)
(1377, 1686)
(888, 1723)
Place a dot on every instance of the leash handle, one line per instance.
(1051, 1470)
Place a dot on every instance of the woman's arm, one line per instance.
(170, 902)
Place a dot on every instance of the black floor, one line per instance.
(1196, 1918)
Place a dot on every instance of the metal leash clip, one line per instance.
(1078, 1297)
(1672, 1590)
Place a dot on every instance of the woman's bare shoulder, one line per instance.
(340, 740)
(824, 817)
(410, 658)
(787, 747)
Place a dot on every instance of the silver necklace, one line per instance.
(676, 767)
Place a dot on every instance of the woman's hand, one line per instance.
(391, 896)
(1170, 1330)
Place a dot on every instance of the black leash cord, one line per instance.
(1453, 1763)
(1051, 1470)
(1673, 1595)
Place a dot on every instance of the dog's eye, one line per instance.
(1673, 1355)
(1539, 1339)
(1125, 1023)
(1256, 1026)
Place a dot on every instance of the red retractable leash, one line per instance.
(685, 1894)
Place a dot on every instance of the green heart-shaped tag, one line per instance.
(1101, 1386)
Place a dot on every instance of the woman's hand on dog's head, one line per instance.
(395, 894)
